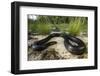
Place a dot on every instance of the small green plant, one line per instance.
(43, 29)
(75, 27)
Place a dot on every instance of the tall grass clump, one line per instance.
(75, 27)
(43, 29)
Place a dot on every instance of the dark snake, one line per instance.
(73, 44)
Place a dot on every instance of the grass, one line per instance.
(44, 25)
(32, 28)
(62, 27)
(41, 28)
(75, 27)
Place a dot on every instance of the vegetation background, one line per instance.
(45, 24)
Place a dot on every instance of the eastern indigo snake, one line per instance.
(73, 44)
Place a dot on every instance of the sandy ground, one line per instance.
(54, 52)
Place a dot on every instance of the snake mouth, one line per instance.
(51, 43)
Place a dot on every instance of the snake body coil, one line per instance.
(73, 45)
